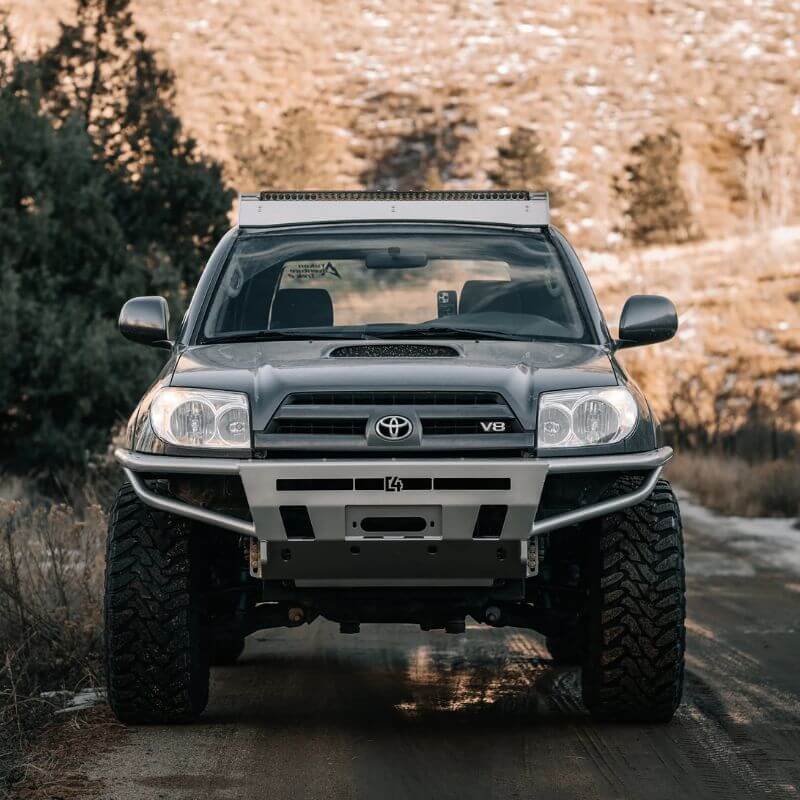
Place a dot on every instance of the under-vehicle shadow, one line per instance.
(506, 680)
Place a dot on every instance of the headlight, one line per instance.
(201, 418)
(585, 416)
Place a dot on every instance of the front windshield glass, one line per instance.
(399, 285)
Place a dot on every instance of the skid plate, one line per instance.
(396, 562)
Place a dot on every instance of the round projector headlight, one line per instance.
(201, 418)
(583, 417)
(555, 425)
(233, 425)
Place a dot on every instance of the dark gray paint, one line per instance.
(269, 371)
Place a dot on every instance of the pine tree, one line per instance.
(523, 162)
(656, 207)
(102, 71)
(91, 213)
(299, 156)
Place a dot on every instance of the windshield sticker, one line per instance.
(312, 270)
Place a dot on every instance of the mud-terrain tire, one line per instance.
(225, 650)
(634, 664)
(157, 647)
(566, 648)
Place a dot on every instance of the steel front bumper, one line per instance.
(346, 501)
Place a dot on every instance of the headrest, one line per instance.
(302, 308)
(490, 296)
(514, 297)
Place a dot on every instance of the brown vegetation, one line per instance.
(730, 379)
(655, 205)
(736, 487)
(51, 587)
(298, 155)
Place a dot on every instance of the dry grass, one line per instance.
(736, 359)
(736, 487)
(54, 766)
(51, 588)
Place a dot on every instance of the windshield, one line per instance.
(399, 285)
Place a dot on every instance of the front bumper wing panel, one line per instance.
(329, 488)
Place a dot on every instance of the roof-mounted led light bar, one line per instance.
(514, 208)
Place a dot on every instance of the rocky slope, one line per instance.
(390, 82)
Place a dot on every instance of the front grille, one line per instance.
(318, 427)
(401, 398)
(305, 453)
(345, 422)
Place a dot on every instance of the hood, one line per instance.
(269, 371)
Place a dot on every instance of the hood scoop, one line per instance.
(394, 351)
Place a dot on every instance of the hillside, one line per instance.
(735, 363)
(352, 93)
(434, 87)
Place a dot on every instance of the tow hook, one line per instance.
(296, 615)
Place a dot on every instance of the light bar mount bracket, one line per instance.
(511, 208)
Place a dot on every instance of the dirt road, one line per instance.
(396, 713)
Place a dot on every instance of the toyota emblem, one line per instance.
(394, 428)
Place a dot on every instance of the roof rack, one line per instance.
(516, 208)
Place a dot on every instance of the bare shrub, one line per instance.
(51, 586)
(423, 145)
(298, 156)
(770, 175)
(712, 178)
(737, 487)
(656, 207)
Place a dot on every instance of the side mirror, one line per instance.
(146, 320)
(646, 319)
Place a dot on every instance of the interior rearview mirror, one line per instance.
(646, 319)
(146, 320)
(394, 258)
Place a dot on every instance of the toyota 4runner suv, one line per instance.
(389, 407)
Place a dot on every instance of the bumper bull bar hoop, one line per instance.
(598, 509)
(133, 463)
(187, 510)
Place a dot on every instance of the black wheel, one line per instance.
(567, 648)
(157, 654)
(226, 649)
(633, 669)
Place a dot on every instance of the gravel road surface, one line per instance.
(397, 713)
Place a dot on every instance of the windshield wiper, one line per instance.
(291, 334)
(446, 331)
